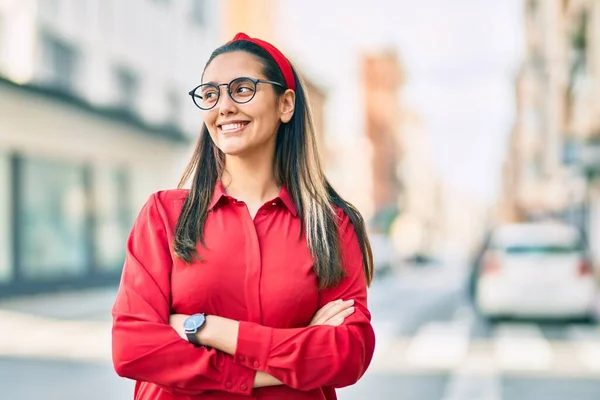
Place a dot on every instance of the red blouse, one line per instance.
(258, 272)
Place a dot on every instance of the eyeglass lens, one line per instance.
(241, 90)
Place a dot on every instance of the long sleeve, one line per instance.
(144, 346)
(317, 356)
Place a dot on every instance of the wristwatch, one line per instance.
(192, 325)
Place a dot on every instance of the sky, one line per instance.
(461, 59)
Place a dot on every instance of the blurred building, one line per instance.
(418, 228)
(95, 116)
(255, 18)
(358, 123)
(347, 158)
(260, 19)
(382, 79)
(554, 154)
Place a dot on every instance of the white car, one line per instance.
(538, 270)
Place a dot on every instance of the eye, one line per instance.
(244, 89)
(209, 94)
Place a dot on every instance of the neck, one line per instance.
(250, 178)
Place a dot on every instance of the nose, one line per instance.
(226, 104)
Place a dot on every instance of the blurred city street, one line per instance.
(466, 133)
(431, 346)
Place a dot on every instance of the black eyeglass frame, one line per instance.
(218, 89)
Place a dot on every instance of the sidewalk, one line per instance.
(74, 326)
(89, 305)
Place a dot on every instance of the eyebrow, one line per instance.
(224, 83)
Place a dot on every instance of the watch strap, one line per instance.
(193, 338)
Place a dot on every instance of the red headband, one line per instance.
(282, 62)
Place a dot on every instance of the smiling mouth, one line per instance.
(233, 127)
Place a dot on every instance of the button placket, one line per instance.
(253, 266)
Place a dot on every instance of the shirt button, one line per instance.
(228, 385)
(263, 212)
(256, 364)
(243, 386)
(273, 203)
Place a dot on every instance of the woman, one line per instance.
(253, 282)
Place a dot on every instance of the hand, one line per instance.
(176, 322)
(333, 313)
(262, 379)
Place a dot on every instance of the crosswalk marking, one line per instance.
(512, 348)
(588, 345)
(476, 377)
(521, 347)
(439, 345)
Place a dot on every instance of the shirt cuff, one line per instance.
(253, 345)
(236, 378)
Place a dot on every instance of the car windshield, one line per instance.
(540, 249)
(537, 239)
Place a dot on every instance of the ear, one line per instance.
(287, 102)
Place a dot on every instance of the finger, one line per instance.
(319, 314)
(335, 310)
(347, 312)
(335, 321)
(338, 308)
(340, 317)
(329, 306)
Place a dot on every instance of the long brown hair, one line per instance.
(297, 167)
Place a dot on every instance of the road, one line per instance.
(430, 346)
(433, 346)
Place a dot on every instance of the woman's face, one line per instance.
(242, 129)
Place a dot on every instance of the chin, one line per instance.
(233, 150)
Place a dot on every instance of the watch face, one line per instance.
(194, 322)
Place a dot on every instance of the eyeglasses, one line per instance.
(241, 91)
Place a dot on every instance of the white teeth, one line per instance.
(232, 127)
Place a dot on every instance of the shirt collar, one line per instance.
(283, 195)
(217, 195)
(286, 198)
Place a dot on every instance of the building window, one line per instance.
(52, 242)
(112, 215)
(60, 61)
(6, 222)
(128, 87)
(579, 34)
(199, 12)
